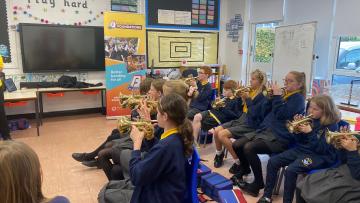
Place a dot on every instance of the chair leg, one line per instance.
(226, 153)
(279, 181)
(205, 140)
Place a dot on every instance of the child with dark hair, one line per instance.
(160, 176)
(230, 109)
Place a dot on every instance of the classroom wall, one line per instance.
(59, 12)
(321, 11)
(229, 50)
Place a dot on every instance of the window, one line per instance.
(264, 42)
(349, 54)
(343, 92)
(124, 5)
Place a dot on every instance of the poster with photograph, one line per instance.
(124, 58)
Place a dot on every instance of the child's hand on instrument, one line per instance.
(276, 89)
(349, 143)
(137, 137)
(144, 111)
(305, 128)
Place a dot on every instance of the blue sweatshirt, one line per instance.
(231, 111)
(160, 177)
(203, 100)
(352, 159)
(254, 115)
(278, 111)
(148, 144)
(314, 143)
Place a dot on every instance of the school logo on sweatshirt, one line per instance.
(307, 161)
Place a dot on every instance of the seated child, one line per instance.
(209, 119)
(203, 100)
(20, 175)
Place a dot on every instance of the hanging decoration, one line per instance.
(18, 10)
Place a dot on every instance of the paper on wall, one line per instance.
(166, 16)
(182, 18)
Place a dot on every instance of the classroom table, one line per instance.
(25, 95)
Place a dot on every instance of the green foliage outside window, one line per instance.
(265, 42)
(349, 38)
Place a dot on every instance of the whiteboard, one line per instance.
(294, 48)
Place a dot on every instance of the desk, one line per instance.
(40, 92)
(25, 95)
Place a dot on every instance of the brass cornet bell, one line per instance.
(134, 101)
(334, 138)
(218, 103)
(124, 126)
(293, 126)
(270, 91)
(123, 99)
(188, 81)
(242, 90)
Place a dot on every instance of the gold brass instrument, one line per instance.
(218, 103)
(334, 138)
(293, 126)
(242, 89)
(133, 103)
(270, 91)
(124, 126)
(188, 81)
(123, 98)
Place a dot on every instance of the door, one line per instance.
(262, 43)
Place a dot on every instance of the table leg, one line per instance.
(41, 107)
(102, 102)
(37, 116)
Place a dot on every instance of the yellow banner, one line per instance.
(171, 49)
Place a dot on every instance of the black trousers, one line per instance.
(115, 134)
(4, 128)
(247, 151)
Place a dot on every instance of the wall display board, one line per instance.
(294, 48)
(184, 14)
(4, 35)
(171, 49)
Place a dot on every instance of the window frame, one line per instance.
(343, 72)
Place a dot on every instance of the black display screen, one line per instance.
(58, 48)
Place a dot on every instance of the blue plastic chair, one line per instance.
(191, 176)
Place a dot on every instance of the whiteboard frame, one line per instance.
(309, 86)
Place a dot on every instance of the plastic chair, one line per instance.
(191, 176)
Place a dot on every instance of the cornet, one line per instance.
(123, 97)
(242, 90)
(133, 103)
(270, 91)
(334, 138)
(124, 126)
(293, 126)
(188, 81)
(218, 103)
